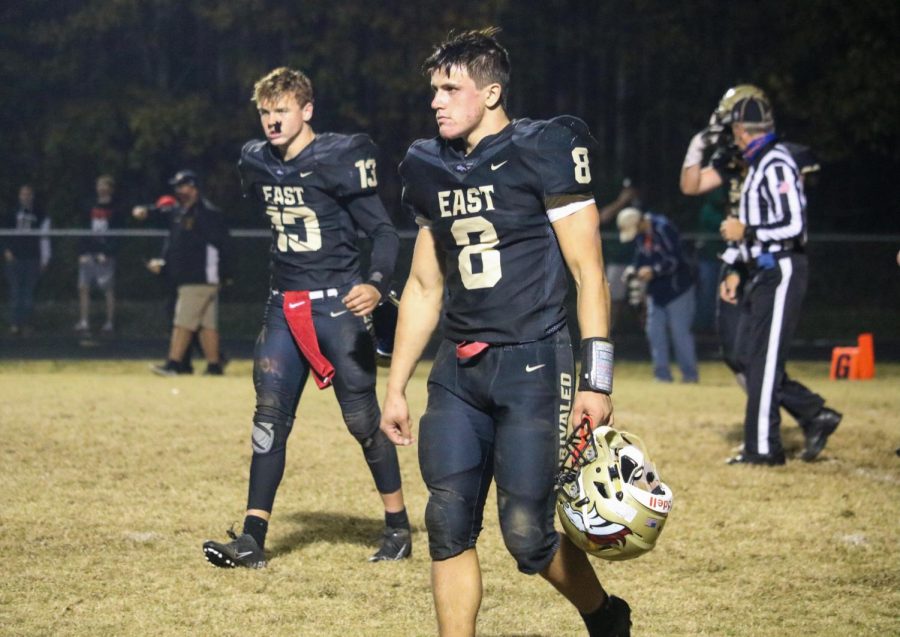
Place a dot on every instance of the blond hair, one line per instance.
(283, 81)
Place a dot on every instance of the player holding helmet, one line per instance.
(316, 189)
(504, 208)
(715, 158)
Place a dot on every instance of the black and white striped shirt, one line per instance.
(773, 205)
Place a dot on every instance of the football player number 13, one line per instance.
(483, 250)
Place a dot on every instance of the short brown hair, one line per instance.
(479, 53)
(283, 81)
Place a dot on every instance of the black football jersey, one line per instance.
(316, 203)
(488, 211)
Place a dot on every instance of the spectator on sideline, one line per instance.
(25, 257)
(615, 255)
(96, 256)
(196, 261)
(659, 262)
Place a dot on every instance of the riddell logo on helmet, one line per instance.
(660, 504)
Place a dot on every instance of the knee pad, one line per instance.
(528, 533)
(271, 429)
(362, 417)
(451, 529)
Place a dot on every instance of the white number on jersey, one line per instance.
(462, 230)
(367, 176)
(582, 165)
(289, 216)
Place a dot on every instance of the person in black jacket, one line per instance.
(25, 257)
(196, 262)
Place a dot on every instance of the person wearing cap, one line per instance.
(197, 261)
(770, 233)
(714, 159)
(659, 262)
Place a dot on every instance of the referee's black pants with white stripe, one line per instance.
(795, 397)
(769, 313)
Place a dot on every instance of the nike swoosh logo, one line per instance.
(244, 554)
(298, 304)
(534, 368)
(302, 174)
(500, 165)
(336, 314)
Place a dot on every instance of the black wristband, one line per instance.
(596, 365)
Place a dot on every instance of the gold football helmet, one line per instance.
(611, 501)
(723, 112)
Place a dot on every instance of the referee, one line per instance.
(771, 234)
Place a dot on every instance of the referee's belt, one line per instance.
(766, 260)
(315, 295)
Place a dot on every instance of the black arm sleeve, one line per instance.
(369, 214)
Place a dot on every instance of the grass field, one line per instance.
(112, 478)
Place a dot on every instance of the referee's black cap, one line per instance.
(185, 177)
(752, 110)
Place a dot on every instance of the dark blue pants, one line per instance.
(280, 372)
(22, 277)
(500, 417)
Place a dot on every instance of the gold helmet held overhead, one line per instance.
(611, 501)
(723, 112)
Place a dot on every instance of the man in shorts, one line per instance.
(196, 261)
(96, 256)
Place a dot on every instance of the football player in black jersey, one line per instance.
(504, 208)
(318, 190)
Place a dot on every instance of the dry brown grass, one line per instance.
(112, 478)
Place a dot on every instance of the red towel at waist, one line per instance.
(298, 312)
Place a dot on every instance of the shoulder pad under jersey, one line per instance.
(559, 133)
(560, 150)
(803, 156)
(253, 159)
(348, 163)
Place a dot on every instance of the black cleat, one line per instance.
(816, 431)
(396, 544)
(619, 613)
(241, 551)
(765, 459)
(612, 619)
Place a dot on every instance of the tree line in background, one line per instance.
(142, 88)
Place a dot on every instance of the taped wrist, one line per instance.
(596, 365)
